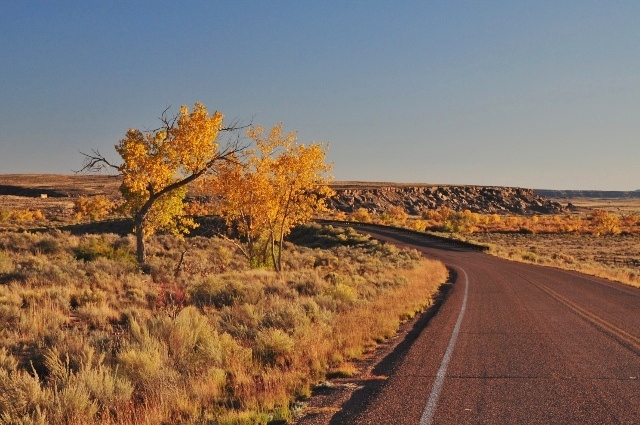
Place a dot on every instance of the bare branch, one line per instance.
(168, 121)
(176, 270)
(235, 243)
(95, 162)
(237, 125)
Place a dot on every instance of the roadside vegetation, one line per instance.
(201, 338)
(597, 222)
(155, 328)
(597, 242)
(615, 257)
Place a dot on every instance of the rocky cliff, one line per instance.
(483, 199)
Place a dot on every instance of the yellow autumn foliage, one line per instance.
(605, 223)
(95, 207)
(271, 188)
(159, 164)
(362, 215)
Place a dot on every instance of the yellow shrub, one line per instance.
(395, 215)
(429, 214)
(339, 215)
(95, 207)
(22, 216)
(362, 215)
(605, 223)
(419, 225)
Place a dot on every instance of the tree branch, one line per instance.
(95, 162)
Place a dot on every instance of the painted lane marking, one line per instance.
(430, 408)
(601, 282)
(622, 336)
(580, 275)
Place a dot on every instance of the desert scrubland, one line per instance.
(199, 334)
(87, 337)
(595, 236)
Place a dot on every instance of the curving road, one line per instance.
(514, 344)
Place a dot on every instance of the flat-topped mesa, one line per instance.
(417, 198)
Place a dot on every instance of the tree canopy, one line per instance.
(158, 165)
(271, 188)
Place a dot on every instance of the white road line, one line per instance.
(430, 408)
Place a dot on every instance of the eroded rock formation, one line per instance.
(415, 199)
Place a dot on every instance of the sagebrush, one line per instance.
(88, 338)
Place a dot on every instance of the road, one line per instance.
(514, 344)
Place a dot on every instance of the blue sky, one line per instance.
(535, 94)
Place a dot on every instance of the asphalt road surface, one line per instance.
(514, 344)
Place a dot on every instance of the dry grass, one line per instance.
(620, 206)
(615, 257)
(86, 338)
(601, 238)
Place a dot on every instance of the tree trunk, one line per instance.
(140, 248)
(273, 253)
(264, 253)
(280, 250)
(139, 222)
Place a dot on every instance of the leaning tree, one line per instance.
(159, 164)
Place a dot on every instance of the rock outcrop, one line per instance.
(415, 199)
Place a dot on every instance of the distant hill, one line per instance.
(593, 194)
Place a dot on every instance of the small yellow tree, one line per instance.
(159, 164)
(275, 186)
(605, 223)
(95, 207)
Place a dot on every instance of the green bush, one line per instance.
(225, 290)
(100, 248)
(273, 347)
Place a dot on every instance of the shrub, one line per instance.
(442, 214)
(274, 347)
(192, 343)
(344, 295)
(605, 223)
(419, 225)
(21, 398)
(283, 314)
(461, 222)
(209, 388)
(21, 216)
(362, 215)
(6, 264)
(224, 290)
(144, 365)
(100, 248)
(104, 386)
(306, 282)
(395, 215)
(95, 207)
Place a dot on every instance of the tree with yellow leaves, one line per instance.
(159, 164)
(605, 223)
(274, 186)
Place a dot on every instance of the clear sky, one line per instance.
(519, 93)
